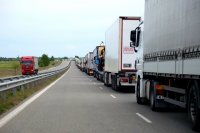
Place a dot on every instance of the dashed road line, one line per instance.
(113, 96)
(101, 88)
(144, 118)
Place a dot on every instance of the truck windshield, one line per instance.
(26, 62)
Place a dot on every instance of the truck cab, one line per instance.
(29, 65)
(136, 37)
(98, 61)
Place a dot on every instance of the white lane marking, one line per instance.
(144, 118)
(94, 83)
(16, 111)
(101, 88)
(113, 96)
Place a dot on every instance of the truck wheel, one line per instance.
(114, 83)
(36, 72)
(139, 101)
(152, 97)
(105, 79)
(193, 110)
(97, 76)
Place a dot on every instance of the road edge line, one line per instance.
(21, 107)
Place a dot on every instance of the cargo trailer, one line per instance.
(119, 56)
(168, 70)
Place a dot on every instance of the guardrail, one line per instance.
(12, 83)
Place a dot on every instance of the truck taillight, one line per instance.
(122, 79)
(160, 89)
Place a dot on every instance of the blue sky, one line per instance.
(59, 27)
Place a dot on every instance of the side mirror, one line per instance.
(138, 37)
(133, 38)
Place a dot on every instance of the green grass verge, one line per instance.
(9, 64)
(12, 100)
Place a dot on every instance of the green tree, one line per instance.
(44, 61)
(18, 58)
(77, 56)
(52, 58)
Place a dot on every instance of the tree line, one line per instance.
(44, 60)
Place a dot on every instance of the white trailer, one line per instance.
(82, 64)
(89, 63)
(169, 75)
(119, 56)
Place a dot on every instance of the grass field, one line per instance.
(9, 68)
(12, 68)
(8, 64)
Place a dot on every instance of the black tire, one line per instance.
(193, 110)
(98, 77)
(139, 100)
(36, 72)
(152, 97)
(105, 79)
(114, 83)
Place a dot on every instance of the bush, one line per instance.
(44, 61)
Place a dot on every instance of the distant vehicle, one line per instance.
(78, 62)
(82, 63)
(119, 56)
(89, 63)
(99, 61)
(29, 65)
(169, 64)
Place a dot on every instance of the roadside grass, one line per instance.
(9, 68)
(12, 68)
(22, 94)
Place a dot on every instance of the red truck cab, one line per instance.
(29, 65)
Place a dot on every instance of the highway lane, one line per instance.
(80, 104)
(63, 64)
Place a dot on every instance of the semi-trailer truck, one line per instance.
(119, 56)
(78, 62)
(29, 65)
(82, 63)
(89, 63)
(98, 61)
(168, 70)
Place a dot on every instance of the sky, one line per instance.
(59, 28)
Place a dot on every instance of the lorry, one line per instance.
(89, 63)
(168, 63)
(29, 65)
(119, 65)
(98, 61)
(78, 62)
(81, 63)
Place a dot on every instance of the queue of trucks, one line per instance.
(158, 56)
(113, 63)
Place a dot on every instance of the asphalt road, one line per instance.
(78, 103)
(62, 65)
